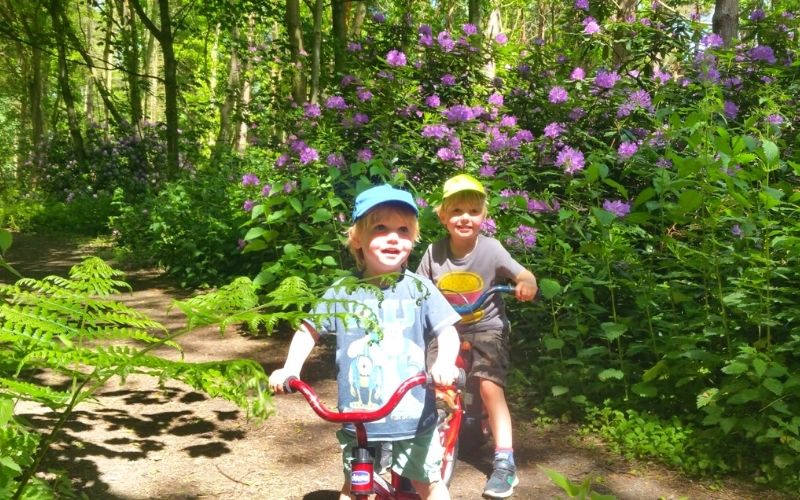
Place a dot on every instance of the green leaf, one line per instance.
(689, 200)
(549, 288)
(254, 233)
(770, 197)
(759, 366)
(9, 463)
(612, 331)
(610, 373)
(734, 368)
(5, 240)
(552, 344)
(603, 217)
(644, 390)
(329, 261)
(295, 203)
(773, 385)
(276, 216)
(743, 396)
(654, 371)
(559, 390)
(783, 461)
(706, 397)
(290, 249)
(321, 215)
(771, 152)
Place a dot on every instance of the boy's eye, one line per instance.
(380, 228)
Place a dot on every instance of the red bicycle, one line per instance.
(474, 427)
(364, 479)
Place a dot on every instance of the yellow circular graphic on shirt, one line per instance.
(461, 288)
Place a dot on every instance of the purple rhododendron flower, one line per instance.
(307, 155)
(582, 4)
(606, 79)
(469, 29)
(774, 119)
(426, 40)
(437, 131)
(347, 80)
(661, 76)
(282, 160)
(433, 101)
(617, 207)
(757, 15)
(266, 190)
(289, 187)
(459, 113)
(627, 149)
(354, 47)
(336, 102)
(448, 79)
(395, 58)
(577, 74)
(508, 121)
(487, 171)
(364, 155)
(762, 53)
(421, 202)
(712, 40)
(736, 230)
(590, 26)
(425, 29)
(311, 110)
(379, 17)
(335, 160)
(730, 109)
(250, 180)
(501, 39)
(447, 154)
(489, 227)
(558, 95)
(523, 135)
(553, 130)
(363, 94)
(445, 41)
(248, 205)
(527, 235)
(496, 99)
(570, 159)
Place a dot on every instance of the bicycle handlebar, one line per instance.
(293, 384)
(470, 308)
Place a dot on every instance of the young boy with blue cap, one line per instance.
(370, 367)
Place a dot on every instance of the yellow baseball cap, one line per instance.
(462, 182)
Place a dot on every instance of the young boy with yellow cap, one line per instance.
(463, 265)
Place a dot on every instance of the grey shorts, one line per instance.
(491, 355)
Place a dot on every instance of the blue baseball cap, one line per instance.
(374, 196)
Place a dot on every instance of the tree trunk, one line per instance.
(475, 14)
(316, 47)
(339, 33)
(88, 87)
(108, 73)
(130, 56)
(165, 38)
(151, 62)
(225, 135)
(725, 21)
(56, 16)
(493, 27)
(296, 50)
(244, 102)
(358, 19)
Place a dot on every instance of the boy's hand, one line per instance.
(444, 374)
(278, 378)
(526, 290)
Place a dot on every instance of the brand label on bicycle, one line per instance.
(360, 478)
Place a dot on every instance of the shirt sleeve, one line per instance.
(424, 267)
(507, 266)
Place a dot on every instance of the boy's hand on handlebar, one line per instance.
(278, 378)
(444, 374)
(526, 290)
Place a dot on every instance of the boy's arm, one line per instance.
(526, 288)
(444, 370)
(303, 341)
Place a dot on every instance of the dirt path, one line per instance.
(142, 441)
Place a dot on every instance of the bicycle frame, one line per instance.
(364, 481)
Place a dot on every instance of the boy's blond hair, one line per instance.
(368, 219)
(466, 197)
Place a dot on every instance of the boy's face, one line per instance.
(386, 242)
(463, 220)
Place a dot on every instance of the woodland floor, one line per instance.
(141, 440)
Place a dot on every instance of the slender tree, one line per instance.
(296, 50)
(725, 21)
(166, 38)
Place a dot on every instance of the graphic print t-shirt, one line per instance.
(412, 312)
(463, 280)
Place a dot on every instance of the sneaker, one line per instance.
(504, 478)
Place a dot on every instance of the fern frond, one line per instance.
(28, 391)
(215, 307)
(94, 277)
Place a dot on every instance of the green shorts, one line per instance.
(418, 458)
